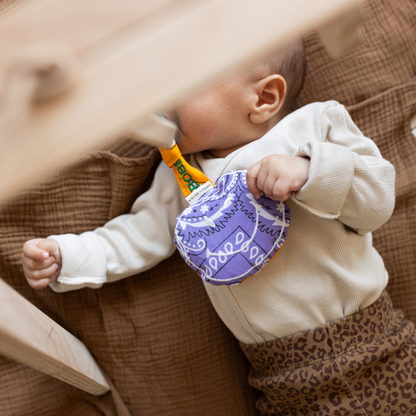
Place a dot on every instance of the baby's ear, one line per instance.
(270, 94)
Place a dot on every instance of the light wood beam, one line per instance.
(29, 336)
(133, 65)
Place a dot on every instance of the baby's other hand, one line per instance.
(41, 260)
(278, 176)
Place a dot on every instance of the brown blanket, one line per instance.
(156, 335)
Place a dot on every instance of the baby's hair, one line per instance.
(290, 63)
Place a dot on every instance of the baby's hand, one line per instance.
(41, 260)
(278, 176)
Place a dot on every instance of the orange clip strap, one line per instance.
(188, 177)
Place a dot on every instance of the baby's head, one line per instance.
(242, 108)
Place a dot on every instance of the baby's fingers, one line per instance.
(251, 178)
(31, 250)
(280, 191)
(45, 273)
(31, 264)
(38, 284)
(41, 278)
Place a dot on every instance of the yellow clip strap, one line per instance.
(188, 177)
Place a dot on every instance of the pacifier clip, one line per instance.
(193, 182)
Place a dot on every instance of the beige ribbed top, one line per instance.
(327, 268)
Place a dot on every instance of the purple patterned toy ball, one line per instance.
(228, 235)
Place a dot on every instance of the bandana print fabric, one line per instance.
(228, 235)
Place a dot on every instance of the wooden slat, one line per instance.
(142, 67)
(79, 25)
(29, 336)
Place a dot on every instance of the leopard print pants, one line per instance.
(361, 365)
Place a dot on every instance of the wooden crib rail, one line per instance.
(29, 336)
(127, 59)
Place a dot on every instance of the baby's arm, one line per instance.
(336, 173)
(278, 176)
(129, 244)
(348, 178)
(41, 260)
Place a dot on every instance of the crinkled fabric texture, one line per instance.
(142, 330)
(227, 235)
(149, 333)
(377, 84)
(358, 366)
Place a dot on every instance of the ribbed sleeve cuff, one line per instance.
(83, 259)
(330, 178)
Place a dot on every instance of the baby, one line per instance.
(326, 276)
